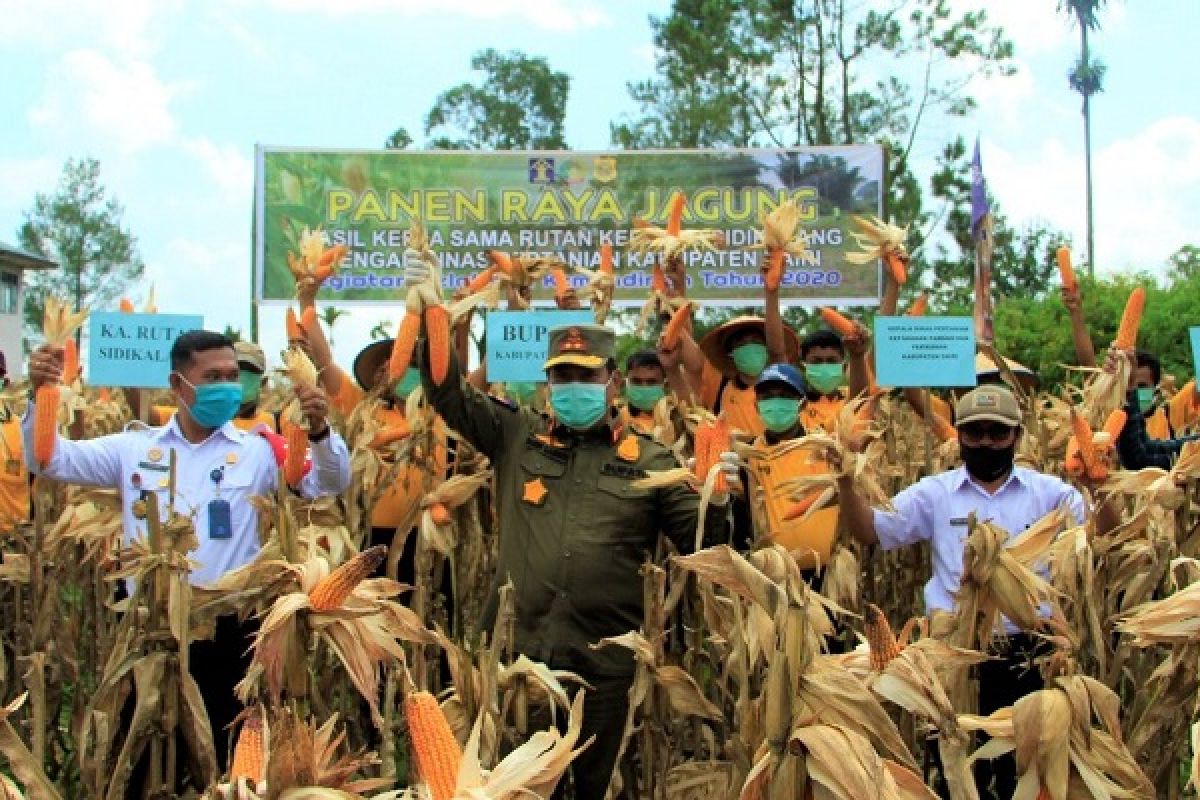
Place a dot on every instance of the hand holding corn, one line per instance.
(416, 270)
(857, 341)
(731, 468)
(314, 406)
(46, 366)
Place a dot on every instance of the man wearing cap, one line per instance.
(574, 529)
(394, 511)
(936, 509)
(781, 392)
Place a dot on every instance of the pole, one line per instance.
(1087, 151)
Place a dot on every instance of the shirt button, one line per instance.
(566, 553)
(562, 595)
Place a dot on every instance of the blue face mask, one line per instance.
(410, 381)
(579, 405)
(1145, 398)
(779, 414)
(216, 403)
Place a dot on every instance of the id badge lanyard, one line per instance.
(220, 517)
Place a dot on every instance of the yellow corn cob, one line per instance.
(297, 450)
(881, 641)
(439, 514)
(248, 753)
(1083, 437)
(712, 439)
(402, 348)
(334, 588)
(1130, 319)
(45, 422)
(434, 746)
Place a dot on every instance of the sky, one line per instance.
(173, 95)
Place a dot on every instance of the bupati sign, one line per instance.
(566, 204)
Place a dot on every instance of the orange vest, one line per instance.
(821, 414)
(738, 406)
(408, 487)
(1184, 410)
(14, 478)
(813, 537)
(1157, 424)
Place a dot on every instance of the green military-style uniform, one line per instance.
(573, 530)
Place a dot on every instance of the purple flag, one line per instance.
(979, 198)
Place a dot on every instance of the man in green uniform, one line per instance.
(574, 530)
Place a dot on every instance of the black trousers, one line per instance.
(604, 712)
(1002, 682)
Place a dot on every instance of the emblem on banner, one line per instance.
(541, 170)
(604, 169)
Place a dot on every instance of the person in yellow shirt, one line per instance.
(780, 395)
(830, 362)
(14, 477)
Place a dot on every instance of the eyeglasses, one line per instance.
(975, 432)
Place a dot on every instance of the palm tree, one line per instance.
(1087, 78)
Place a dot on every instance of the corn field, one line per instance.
(751, 681)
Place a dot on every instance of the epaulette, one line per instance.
(504, 402)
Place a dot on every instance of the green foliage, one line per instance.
(81, 228)
(519, 105)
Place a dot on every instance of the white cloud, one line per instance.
(124, 101)
(209, 278)
(122, 25)
(22, 179)
(1144, 188)
(231, 169)
(553, 15)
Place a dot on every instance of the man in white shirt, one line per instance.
(218, 469)
(936, 508)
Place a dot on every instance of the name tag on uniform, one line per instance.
(220, 520)
(960, 521)
(155, 467)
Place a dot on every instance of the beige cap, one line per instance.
(988, 404)
(251, 355)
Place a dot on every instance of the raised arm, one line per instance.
(1085, 351)
(773, 322)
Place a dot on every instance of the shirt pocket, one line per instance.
(622, 514)
(541, 482)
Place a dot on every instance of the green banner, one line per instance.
(566, 204)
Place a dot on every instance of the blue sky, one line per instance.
(172, 96)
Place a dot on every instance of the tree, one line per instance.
(1184, 264)
(1087, 78)
(81, 228)
(519, 105)
(399, 140)
(330, 315)
(784, 73)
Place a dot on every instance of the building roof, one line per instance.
(16, 258)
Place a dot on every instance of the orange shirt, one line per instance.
(395, 503)
(1158, 426)
(736, 404)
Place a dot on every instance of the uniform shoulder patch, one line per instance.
(630, 448)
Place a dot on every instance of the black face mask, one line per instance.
(987, 464)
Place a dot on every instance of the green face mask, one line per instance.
(750, 359)
(521, 392)
(1145, 398)
(251, 384)
(825, 378)
(410, 381)
(644, 398)
(779, 413)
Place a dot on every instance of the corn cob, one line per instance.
(1114, 424)
(308, 319)
(436, 750)
(881, 642)
(561, 284)
(45, 423)
(1130, 319)
(70, 362)
(297, 451)
(774, 271)
(1065, 269)
(440, 514)
(1083, 437)
(675, 214)
(126, 305)
(838, 322)
(503, 261)
(895, 264)
(919, 306)
(481, 281)
(437, 331)
(658, 279)
(675, 326)
(801, 507)
(711, 439)
(402, 348)
(606, 259)
(328, 263)
(292, 323)
(249, 752)
(390, 434)
(942, 428)
(334, 588)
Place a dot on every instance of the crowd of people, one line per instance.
(574, 523)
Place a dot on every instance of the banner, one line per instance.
(134, 350)
(565, 204)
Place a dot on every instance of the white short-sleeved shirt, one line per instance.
(231, 464)
(935, 509)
